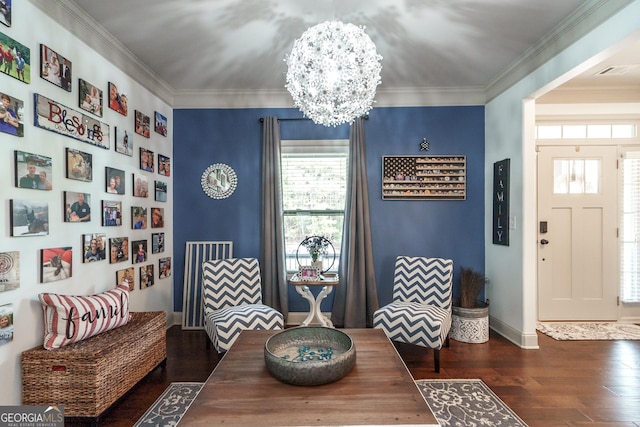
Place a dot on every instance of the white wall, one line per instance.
(31, 27)
(512, 269)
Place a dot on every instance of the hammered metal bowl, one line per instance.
(281, 349)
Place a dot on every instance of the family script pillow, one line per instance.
(69, 318)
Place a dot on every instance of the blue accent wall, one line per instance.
(452, 229)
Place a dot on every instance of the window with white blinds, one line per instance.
(630, 228)
(314, 184)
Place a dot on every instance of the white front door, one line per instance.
(577, 227)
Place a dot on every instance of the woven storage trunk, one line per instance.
(88, 376)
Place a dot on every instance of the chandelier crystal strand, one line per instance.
(333, 72)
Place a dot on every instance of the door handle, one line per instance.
(544, 242)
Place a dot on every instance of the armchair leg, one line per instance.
(446, 341)
(208, 344)
(436, 360)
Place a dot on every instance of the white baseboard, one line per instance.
(526, 341)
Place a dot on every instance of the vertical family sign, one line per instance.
(501, 202)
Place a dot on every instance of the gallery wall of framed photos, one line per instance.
(81, 209)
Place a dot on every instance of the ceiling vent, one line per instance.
(616, 70)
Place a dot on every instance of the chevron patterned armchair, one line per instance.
(420, 312)
(232, 299)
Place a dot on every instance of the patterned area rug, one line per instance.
(461, 403)
(171, 405)
(590, 330)
(455, 403)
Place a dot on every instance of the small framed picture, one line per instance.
(90, 97)
(79, 165)
(9, 270)
(55, 264)
(118, 249)
(114, 180)
(147, 158)
(146, 276)
(157, 217)
(161, 191)
(164, 165)
(5, 12)
(21, 55)
(124, 143)
(309, 273)
(111, 213)
(140, 185)
(11, 115)
(55, 68)
(164, 267)
(33, 171)
(160, 124)
(138, 217)
(93, 246)
(139, 251)
(128, 275)
(77, 206)
(157, 243)
(29, 218)
(143, 124)
(118, 101)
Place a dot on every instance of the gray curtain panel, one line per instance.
(356, 298)
(272, 253)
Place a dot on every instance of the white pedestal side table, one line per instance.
(302, 287)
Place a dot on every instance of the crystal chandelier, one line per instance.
(333, 71)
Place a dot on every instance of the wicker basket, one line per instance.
(89, 376)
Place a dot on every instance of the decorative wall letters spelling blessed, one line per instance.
(53, 116)
(501, 202)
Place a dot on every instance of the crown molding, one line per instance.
(582, 21)
(90, 32)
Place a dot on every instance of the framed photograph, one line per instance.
(308, 273)
(118, 249)
(124, 143)
(111, 213)
(55, 264)
(79, 165)
(127, 274)
(164, 267)
(77, 206)
(147, 159)
(146, 276)
(114, 180)
(139, 251)
(6, 323)
(161, 191)
(29, 218)
(11, 115)
(9, 271)
(157, 217)
(157, 243)
(93, 247)
(5, 12)
(143, 124)
(32, 171)
(21, 56)
(164, 165)
(160, 124)
(138, 217)
(118, 101)
(140, 185)
(55, 68)
(90, 97)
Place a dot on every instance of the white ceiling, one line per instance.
(232, 45)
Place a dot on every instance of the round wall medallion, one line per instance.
(219, 181)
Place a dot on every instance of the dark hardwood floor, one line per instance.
(564, 383)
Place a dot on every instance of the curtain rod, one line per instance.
(261, 120)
